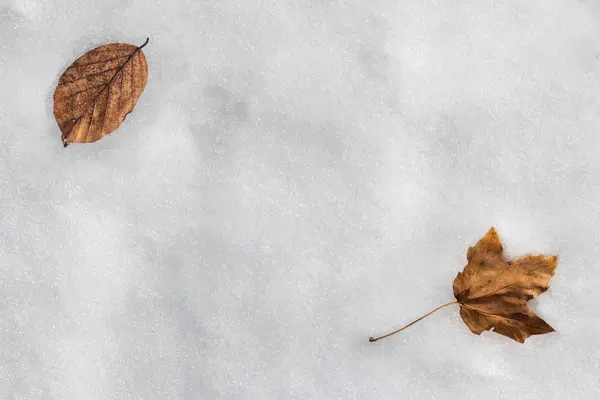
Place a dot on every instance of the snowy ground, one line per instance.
(296, 177)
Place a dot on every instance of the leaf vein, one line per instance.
(100, 62)
(91, 75)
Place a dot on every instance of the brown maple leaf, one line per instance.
(492, 292)
(95, 94)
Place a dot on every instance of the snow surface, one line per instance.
(298, 176)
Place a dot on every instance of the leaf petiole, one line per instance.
(371, 339)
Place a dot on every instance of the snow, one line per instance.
(296, 177)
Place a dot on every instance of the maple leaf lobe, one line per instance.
(492, 292)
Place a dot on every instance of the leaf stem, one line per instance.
(371, 339)
(145, 43)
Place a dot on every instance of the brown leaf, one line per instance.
(95, 94)
(492, 293)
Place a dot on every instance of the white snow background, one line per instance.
(296, 177)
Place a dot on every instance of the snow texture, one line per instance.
(296, 177)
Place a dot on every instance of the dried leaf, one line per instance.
(95, 94)
(492, 292)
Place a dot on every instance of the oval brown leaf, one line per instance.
(95, 94)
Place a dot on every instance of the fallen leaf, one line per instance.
(95, 94)
(492, 292)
